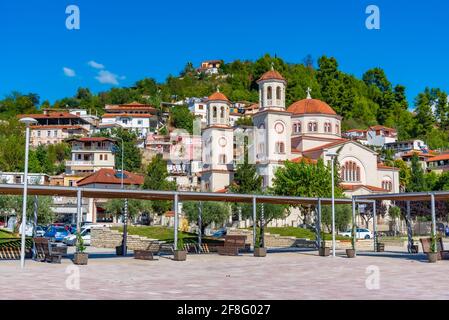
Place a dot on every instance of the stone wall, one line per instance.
(107, 238)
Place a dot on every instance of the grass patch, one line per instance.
(164, 234)
(299, 233)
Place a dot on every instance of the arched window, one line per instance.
(313, 127)
(350, 172)
(280, 147)
(222, 114)
(297, 127)
(214, 112)
(327, 127)
(222, 159)
(337, 129)
(269, 93)
(278, 93)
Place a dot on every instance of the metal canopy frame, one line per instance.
(175, 196)
(410, 197)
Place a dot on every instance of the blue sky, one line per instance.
(139, 38)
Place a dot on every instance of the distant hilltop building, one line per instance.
(377, 136)
(210, 67)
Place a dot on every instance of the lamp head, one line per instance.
(331, 154)
(28, 121)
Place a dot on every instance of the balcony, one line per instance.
(79, 163)
(91, 148)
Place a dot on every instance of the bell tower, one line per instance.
(272, 90)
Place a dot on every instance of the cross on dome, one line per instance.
(309, 90)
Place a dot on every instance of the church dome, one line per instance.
(218, 96)
(271, 75)
(311, 106)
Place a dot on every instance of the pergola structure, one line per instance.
(176, 196)
(408, 197)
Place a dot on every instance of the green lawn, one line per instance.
(163, 234)
(6, 236)
(299, 233)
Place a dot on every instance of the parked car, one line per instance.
(56, 233)
(220, 233)
(361, 233)
(70, 240)
(40, 232)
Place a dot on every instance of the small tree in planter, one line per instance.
(351, 252)
(179, 254)
(80, 257)
(433, 254)
(323, 250)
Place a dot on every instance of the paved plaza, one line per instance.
(280, 275)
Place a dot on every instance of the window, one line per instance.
(222, 113)
(327, 127)
(18, 179)
(312, 126)
(269, 93)
(200, 107)
(105, 157)
(214, 113)
(337, 129)
(124, 121)
(55, 133)
(280, 147)
(101, 157)
(387, 185)
(350, 172)
(278, 93)
(48, 133)
(139, 122)
(38, 133)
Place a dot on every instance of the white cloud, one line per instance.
(95, 65)
(107, 77)
(69, 72)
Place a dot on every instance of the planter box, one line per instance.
(324, 252)
(80, 258)
(350, 253)
(119, 250)
(432, 256)
(180, 255)
(260, 252)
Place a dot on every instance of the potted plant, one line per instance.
(433, 254)
(259, 251)
(80, 257)
(179, 254)
(351, 252)
(323, 250)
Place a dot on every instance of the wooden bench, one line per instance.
(232, 245)
(45, 252)
(153, 249)
(426, 246)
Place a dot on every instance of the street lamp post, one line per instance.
(125, 208)
(27, 122)
(333, 156)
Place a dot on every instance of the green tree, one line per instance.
(343, 215)
(156, 179)
(417, 179)
(135, 207)
(211, 212)
(182, 118)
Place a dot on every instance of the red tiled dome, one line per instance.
(271, 75)
(312, 106)
(218, 96)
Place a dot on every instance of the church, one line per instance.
(307, 130)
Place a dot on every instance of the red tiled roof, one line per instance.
(57, 127)
(311, 106)
(382, 166)
(379, 127)
(91, 139)
(304, 159)
(222, 190)
(326, 146)
(418, 153)
(108, 176)
(128, 115)
(439, 157)
(169, 214)
(50, 115)
(355, 130)
(271, 75)
(353, 187)
(218, 96)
